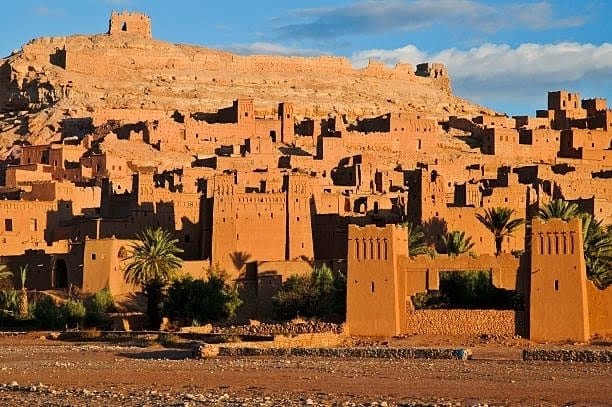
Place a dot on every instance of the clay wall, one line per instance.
(489, 121)
(55, 267)
(239, 221)
(19, 232)
(569, 189)
(546, 141)
(103, 266)
(299, 217)
(600, 310)
(465, 322)
(83, 200)
(566, 101)
(530, 123)
(437, 72)
(375, 290)
(129, 23)
(423, 272)
(558, 281)
(587, 139)
(38, 154)
(499, 141)
(592, 106)
(21, 175)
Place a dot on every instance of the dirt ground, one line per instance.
(58, 373)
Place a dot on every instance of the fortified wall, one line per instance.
(562, 304)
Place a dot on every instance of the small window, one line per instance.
(372, 286)
(33, 225)
(246, 114)
(93, 256)
(8, 225)
(556, 285)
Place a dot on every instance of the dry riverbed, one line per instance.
(53, 373)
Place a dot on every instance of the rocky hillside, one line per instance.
(53, 78)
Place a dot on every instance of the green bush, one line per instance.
(49, 315)
(73, 313)
(467, 290)
(320, 294)
(200, 300)
(10, 301)
(97, 305)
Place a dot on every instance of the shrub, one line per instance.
(52, 316)
(467, 290)
(97, 305)
(10, 301)
(321, 294)
(47, 314)
(73, 312)
(200, 300)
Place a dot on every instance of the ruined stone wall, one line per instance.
(129, 23)
(466, 322)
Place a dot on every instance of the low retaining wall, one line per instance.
(566, 355)
(382, 353)
(465, 322)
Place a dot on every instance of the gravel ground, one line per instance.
(50, 373)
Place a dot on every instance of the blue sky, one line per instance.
(503, 54)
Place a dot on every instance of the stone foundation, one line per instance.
(466, 322)
(384, 353)
(566, 355)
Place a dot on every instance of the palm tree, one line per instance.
(597, 250)
(499, 222)
(4, 272)
(456, 243)
(560, 209)
(24, 306)
(416, 240)
(152, 264)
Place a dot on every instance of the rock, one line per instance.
(205, 350)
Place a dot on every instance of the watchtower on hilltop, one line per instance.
(129, 23)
